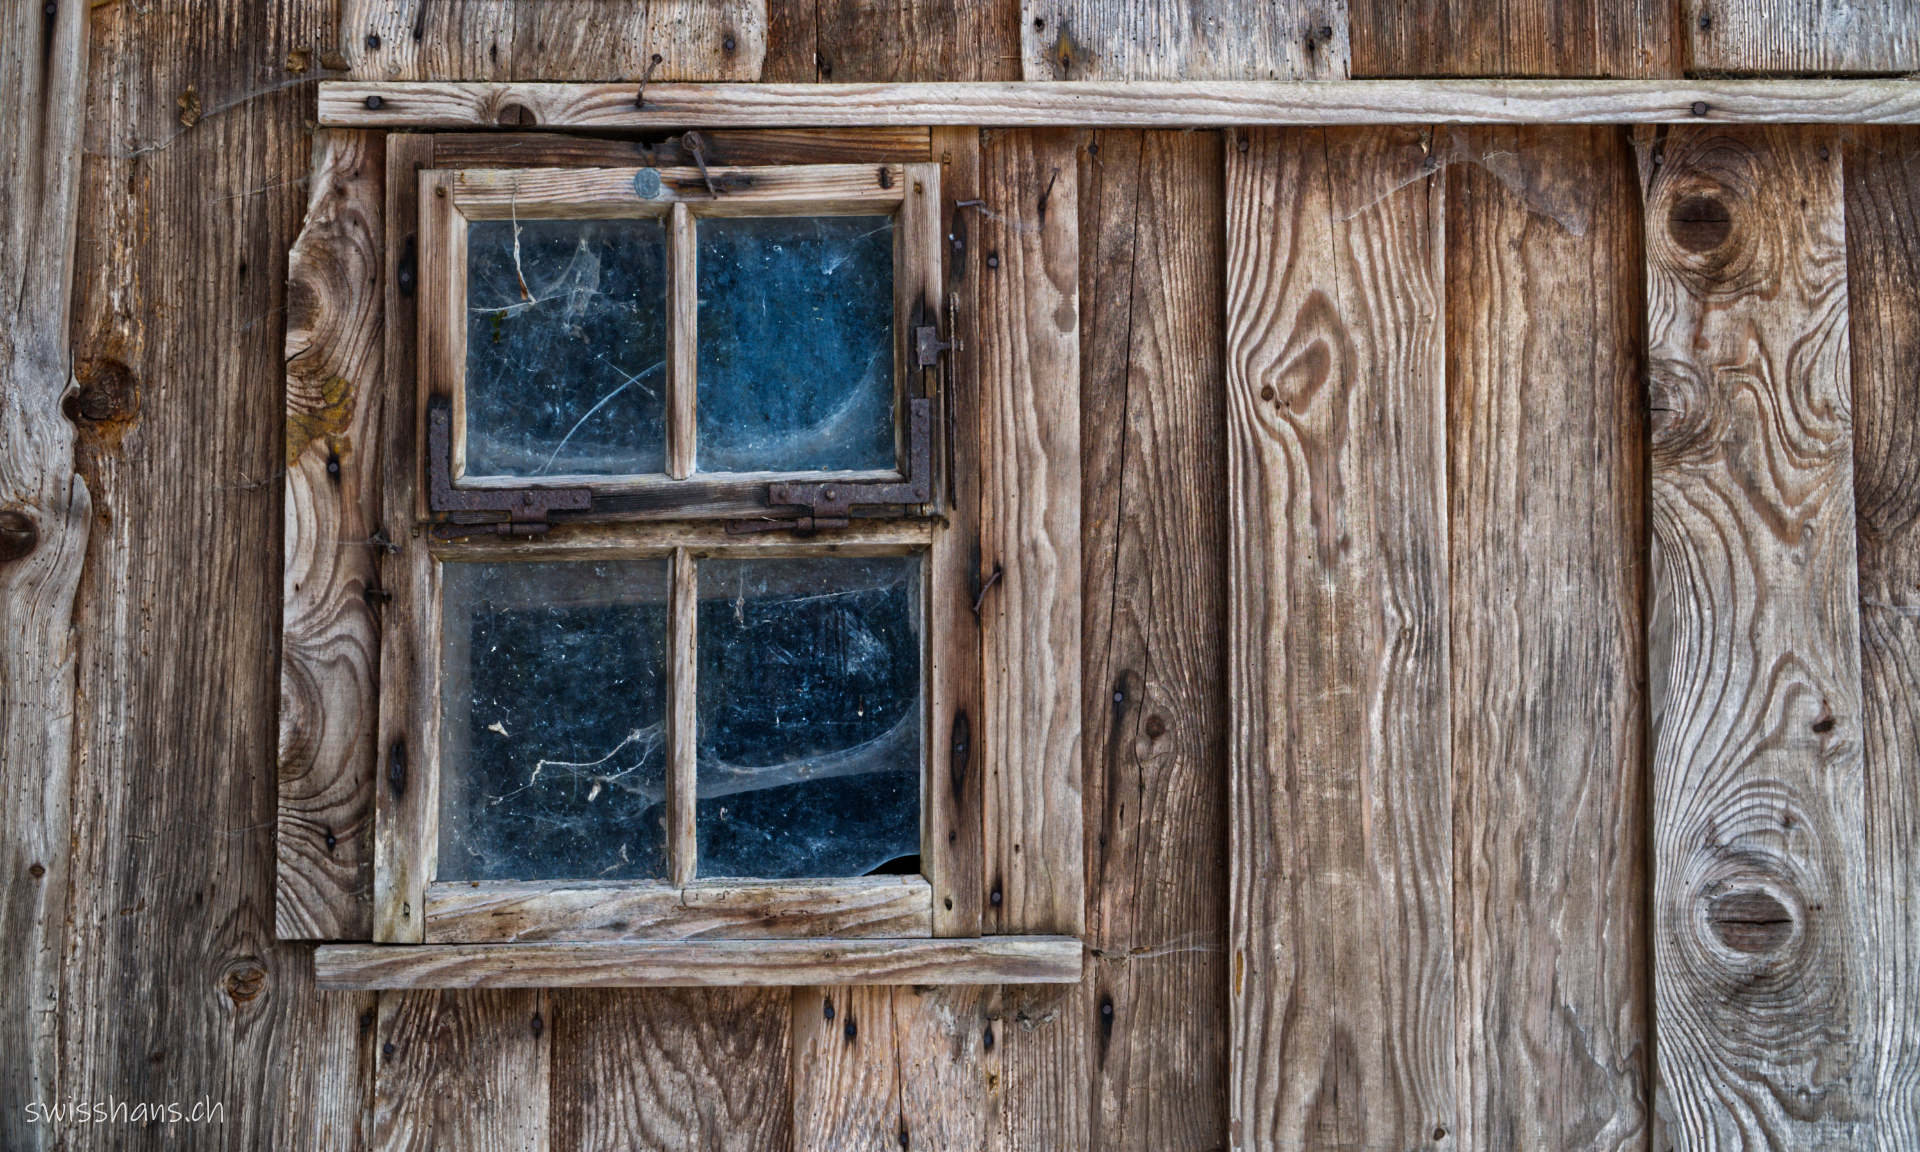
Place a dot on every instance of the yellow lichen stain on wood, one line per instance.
(189, 106)
(316, 409)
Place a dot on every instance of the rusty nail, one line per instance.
(373, 41)
(374, 102)
(1700, 108)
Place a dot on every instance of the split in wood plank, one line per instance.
(1149, 104)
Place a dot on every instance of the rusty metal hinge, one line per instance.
(472, 511)
(819, 504)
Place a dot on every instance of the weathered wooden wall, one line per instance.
(155, 179)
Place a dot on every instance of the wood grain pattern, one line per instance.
(1029, 418)
(1155, 546)
(1342, 981)
(406, 565)
(719, 146)
(1759, 901)
(475, 913)
(1787, 36)
(854, 40)
(1546, 38)
(701, 963)
(950, 842)
(672, 1069)
(1547, 516)
(1883, 252)
(467, 1070)
(1145, 104)
(552, 39)
(329, 636)
(1183, 40)
(500, 194)
(45, 515)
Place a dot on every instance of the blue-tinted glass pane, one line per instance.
(796, 343)
(809, 709)
(553, 720)
(566, 347)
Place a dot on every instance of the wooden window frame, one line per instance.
(885, 929)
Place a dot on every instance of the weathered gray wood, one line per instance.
(904, 40)
(467, 1070)
(1547, 522)
(1342, 965)
(1029, 432)
(1883, 254)
(552, 39)
(1760, 906)
(719, 146)
(1183, 40)
(329, 635)
(1148, 104)
(45, 510)
(1152, 412)
(1787, 36)
(475, 913)
(701, 963)
(671, 1069)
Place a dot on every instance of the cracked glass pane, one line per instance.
(809, 714)
(553, 720)
(796, 344)
(566, 347)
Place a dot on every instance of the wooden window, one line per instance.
(680, 628)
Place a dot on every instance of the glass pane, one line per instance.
(809, 705)
(796, 344)
(566, 347)
(553, 720)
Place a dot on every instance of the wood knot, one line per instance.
(104, 392)
(1700, 223)
(1751, 922)
(515, 116)
(244, 981)
(19, 533)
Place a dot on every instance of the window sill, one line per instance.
(701, 964)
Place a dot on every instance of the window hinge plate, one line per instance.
(473, 511)
(816, 505)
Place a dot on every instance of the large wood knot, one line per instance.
(1753, 922)
(19, 533)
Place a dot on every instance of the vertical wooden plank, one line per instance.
(1883, 288)
(552, 39)
(617, 39)
(1626, 39)
(1183, 40)
(882, 1068)
(1029, 429)
(1152, 292)
(465, 1070)
(911, 40)
(403, 787)
(683, 343)
(191, 196)
(1341, 799)
(1758, 891)
(1547, 492)
(954, 798)
(671, 1069)
(329, 637)
(45, 510)
(1787, 36)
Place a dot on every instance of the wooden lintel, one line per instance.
(702, 964)
(1156, 104)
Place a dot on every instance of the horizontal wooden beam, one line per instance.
(701, 964)
(1172, 104)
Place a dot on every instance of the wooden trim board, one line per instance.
(511, 913)
(1157, 104)
(702, 964)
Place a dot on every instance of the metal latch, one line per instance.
(927, 346)
(505, 511)
(830, 503)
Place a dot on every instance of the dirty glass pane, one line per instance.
(553, 720)
(809, 713)
(566, 347)
(796, 343)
